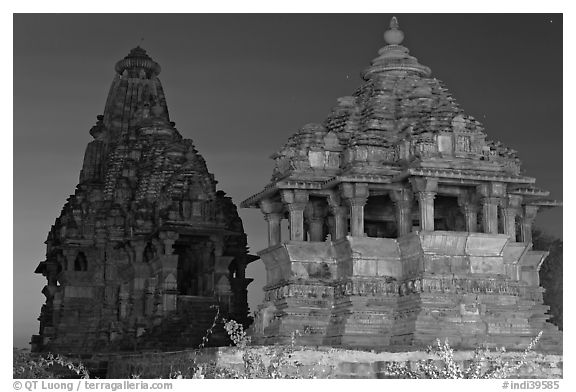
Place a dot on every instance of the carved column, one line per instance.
(471, 217)
(339, 219)
(403, 201)
(356, 195)
(296, 201)
(357, 216)
(490, 214)
(273, 215)
(469, 205)
(340, 222)
(509, 211)
(509, 222)
(425, 189)
(529, 215)
(274, 228)
(296, 211)
(426, 203)
(492, 194)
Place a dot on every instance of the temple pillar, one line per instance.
(274, 228)
(357, 216)
(469, 205)
(426, 203)
(491, 196)
(509, 222)
(356, 195)
(339, 222)
(296, 201)
(471, 217)
(490, 214)
(528, 216)
(273, 214)
(509, 211)
(425, 189)
(403, 201)
(296, 221)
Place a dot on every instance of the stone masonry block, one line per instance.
(487, 265)
(480, 244)
(444, 242)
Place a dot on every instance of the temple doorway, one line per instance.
(195, 260)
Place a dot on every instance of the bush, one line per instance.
(484, 365)
(28, 365)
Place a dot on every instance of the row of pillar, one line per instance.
(352, 198)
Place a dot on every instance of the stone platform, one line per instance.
(380, 293)
(316, 362)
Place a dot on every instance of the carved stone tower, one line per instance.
(405, 224)
(146, 245)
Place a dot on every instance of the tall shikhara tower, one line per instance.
(146, 245)
(405, 224)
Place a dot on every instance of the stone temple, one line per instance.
(146, 246)
(405, 224)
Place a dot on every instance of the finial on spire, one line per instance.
(141, 40)
(394, 36)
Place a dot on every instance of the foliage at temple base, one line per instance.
(27, 365)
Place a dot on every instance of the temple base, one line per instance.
(473, 289)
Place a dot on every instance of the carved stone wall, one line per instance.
(382, 293)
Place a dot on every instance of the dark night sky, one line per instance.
(240, 85)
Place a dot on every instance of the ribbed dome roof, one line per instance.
(138, 59)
